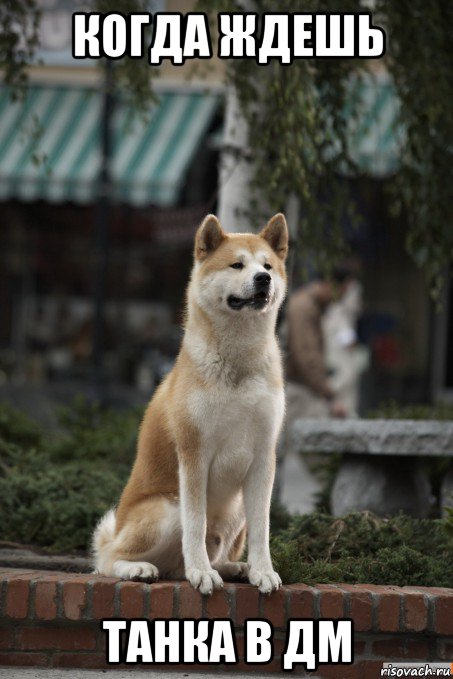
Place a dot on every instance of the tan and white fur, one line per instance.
(205, 462)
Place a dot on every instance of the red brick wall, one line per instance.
(51, 619)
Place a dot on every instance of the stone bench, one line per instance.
(380, 470)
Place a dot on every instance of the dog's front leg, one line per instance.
(257, 501)
(193, 490)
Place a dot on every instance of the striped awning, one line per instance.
(50, 145)
(375, 136)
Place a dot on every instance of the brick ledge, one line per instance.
(51, 619)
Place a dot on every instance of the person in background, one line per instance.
(309, 391)
(346, 358)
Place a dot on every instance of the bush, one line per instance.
(361, 547)
(391, 410)
(54, 489)
(54, 506)
(18, 428)
(94, 434)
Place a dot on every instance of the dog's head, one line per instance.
(239, 273)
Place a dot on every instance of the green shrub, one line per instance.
(54, 506)
(280, 517)
(361, 547)
(391, 410)
(53, 490)
(16, 427)
(92, 433)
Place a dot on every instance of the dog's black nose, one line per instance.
(262, 280)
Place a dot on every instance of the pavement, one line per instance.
(14, 555)
(73, 673)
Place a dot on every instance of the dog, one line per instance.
(205, 463)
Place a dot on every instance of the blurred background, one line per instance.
(98, 208)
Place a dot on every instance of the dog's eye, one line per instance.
(237, 265)
(268, 267)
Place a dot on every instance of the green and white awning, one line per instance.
(50, 145)
(50, 142)
(375, 137)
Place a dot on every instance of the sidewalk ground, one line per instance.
(73, 673)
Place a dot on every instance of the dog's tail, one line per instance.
(103, 537)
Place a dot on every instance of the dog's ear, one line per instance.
(208, 238)
(276, 234)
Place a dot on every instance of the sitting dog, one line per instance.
(206, 451)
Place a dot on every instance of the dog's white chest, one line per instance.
(224, 413)
(235, 424)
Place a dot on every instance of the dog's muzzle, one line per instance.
(260, 298)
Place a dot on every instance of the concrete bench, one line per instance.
(380, 469)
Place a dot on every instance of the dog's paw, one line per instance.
(204, 580)
(237, 570)
(135, 570)
(267, 581)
